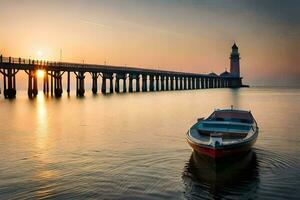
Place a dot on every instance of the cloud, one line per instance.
(103, 26)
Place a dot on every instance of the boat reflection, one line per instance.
(232, 178)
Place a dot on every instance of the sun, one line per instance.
(40, 73)
(40, 54)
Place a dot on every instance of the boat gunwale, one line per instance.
(230, 145)
(227, 146)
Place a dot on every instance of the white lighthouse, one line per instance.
(235, 61)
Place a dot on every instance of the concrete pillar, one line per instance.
(151, 83)
(190, 83)
(4, 83)
(197, 83)
(35, 84)
(14, 83)
(193, 83)
(94, 83)
(172, 82)
(103, 87)
(185, 83)
(222, 82)
(209, 82)
(176, 83)
(80, 90)
(137, 86)
(157, 83)
(29, 91)
(130, 83)
(167, 83)
(124, 83)
(162, 83)
(117, 84)
(47, 80)
(111, 86)
(52, 89)
(68, 84)
(144, 83)
(9, 88)
(57, 84)
(180, 83)
(46, 83)
(206, 83)
(214, 82)
(201, 83)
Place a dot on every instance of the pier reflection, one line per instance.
(234, 178)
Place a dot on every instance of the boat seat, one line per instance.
(223, 135)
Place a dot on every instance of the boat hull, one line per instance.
(222, 151)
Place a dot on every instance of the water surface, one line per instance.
(132, 146)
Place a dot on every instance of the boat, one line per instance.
(224, 133)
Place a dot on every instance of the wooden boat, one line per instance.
(224, 133)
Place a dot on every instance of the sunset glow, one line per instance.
(40, 73)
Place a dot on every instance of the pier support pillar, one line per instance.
(117, 84)
(68, 84)
(80, 84)
(151, 83)
(180, 83)
(185, 83)
(137, 86)
(111, 85)
(226, 83)
(206, 83)
(197, 83)
(216, 82)
(46, 83)
(172, 82)
(52, 77)
(35, 84)
(210, 82)
(130, 83)
(176, 83)
(144, 83)
(58, 84)
(162, 83)
(32, 84)
(156, 83)
(9, 88)
(222, 83)
(94, 83)
(202, 83)
(189, 85)
(124, 84)
(103, 87)
(193, 83)
(167, 83)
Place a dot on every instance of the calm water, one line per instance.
(132, 146)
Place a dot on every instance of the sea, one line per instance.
(133, 146)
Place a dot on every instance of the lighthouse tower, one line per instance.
(235, 61)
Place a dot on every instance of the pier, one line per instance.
(134, 79)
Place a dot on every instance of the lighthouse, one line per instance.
(233, 77)
(235, 61)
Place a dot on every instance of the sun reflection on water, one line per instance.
(42, 128)
(44, 173)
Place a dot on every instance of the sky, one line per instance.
(180, 35)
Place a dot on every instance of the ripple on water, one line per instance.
(260, 173)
